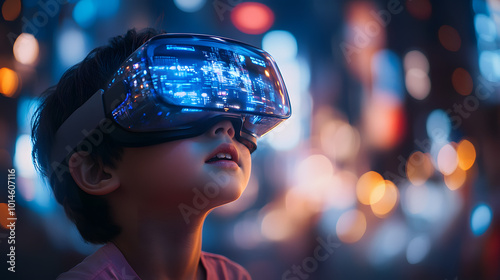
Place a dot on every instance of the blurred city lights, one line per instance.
(384, 121)
(447, 159)
(9, 82)
(314, 169)
(340, 140)
(420, 9)
(416, 59)
(456, 179)
(11, 9)
(367, 184)
(341, 194)
(485, 27)
(4, 214)
(462, 81)
(480, 219)
(386, 73)
(252, 17)
(415, 199)
(276, 225)
(466, 154)
(418, 83)
(384, 198)
(26, 48)
(419, 168)
(281, 44)
(438, 126)
(449, 38)
(189, 6)
(489, 65)
(389, 241)
(84, 13)
(22, 157)
(417, 249)
(351, 226)
(71, 46)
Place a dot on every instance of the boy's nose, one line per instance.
(221, 128)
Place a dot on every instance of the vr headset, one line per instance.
(177, 86)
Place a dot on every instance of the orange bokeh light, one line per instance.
(351, 226)
(4, 214)
(456, 179)
(419, 168)
(11, 9)
(9, 82)
(252, 17)
(449, 38)
(466, 154)
(462, 81)
(382, 206)
(366, 185)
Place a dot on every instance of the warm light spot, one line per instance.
(377, 193)
(9, 82)
(351, 226)
(462, 81)
(466, 154)
(340, 140)
(276, 225)
(314, 169)
(416, 59)
(4, 214)
(449, 38)
(366, 185)
(387, 202)
(384, 121)
(26, 48)
(417, 83)
(11, 9)
(252, 17)
(456, 179)
(447, 159)
(420, 9)
(419, 168)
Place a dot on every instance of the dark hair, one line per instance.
(90, 213)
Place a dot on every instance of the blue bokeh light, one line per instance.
(85, 13)
(480, 219)
(438, 126)
(485, 27)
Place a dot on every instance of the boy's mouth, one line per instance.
(225, 151)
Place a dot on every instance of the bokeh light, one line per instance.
(26, 48)
(22, 157)
(420, 9)
(447, 159)
(351, 226)
(449, 38)
(419, 168)
(71, 46)
(416, 198)
(190, 6)
(366, 184)
(384, 198)
(418, 83)
(252, 17)
(438, 126)
(84, 13)
(276, 225)
(485, 27)
(9, 82)
(417, 249)
(4, 215)
(11, 9)
(388, 242)
(416, 59)
(466, 154)
(340, 140)
(456, 179)
(106, 9)
(480, 219)
(489, 65)
(281, 44)
(462, 81)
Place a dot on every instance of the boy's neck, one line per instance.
(168, 250)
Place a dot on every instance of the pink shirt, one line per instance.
(109, 263)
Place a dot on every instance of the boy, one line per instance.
(144, 137)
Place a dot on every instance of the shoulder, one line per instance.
(106, 263)
(220, 267)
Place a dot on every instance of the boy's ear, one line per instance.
(92, 176)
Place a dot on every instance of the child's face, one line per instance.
(164, 176)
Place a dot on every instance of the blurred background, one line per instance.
(389, 167)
